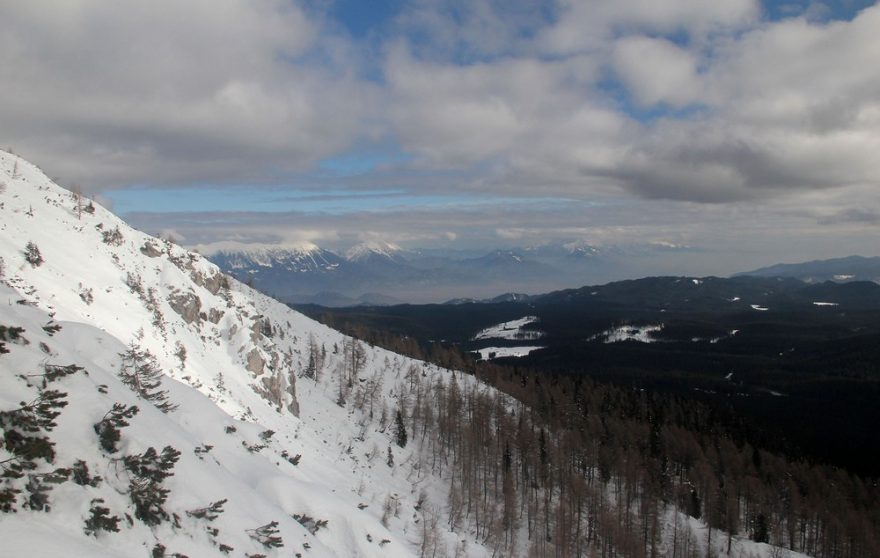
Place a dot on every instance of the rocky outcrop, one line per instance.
(214, 315)
(186, 304)
(255, 362)
(151, 250)
(213, 283)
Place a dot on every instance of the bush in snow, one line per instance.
(32, 255)
(100, 519)
(108, 428)
(81, 476)
(267, 535)
(112, 237)
(147, 471)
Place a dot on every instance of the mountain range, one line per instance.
(379, 274)
(850, 268)
(383, 273)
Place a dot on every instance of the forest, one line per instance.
(564, 464)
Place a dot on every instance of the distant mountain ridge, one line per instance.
(384, 273)
(849, 268)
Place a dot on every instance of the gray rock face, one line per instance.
(213, 283)
(151, 250)
(255, 362)
(214, 315)
(187, 305)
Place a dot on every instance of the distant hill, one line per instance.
(850, 268)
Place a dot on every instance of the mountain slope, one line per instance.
(233, 361)
(850, 268)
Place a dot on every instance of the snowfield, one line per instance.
(488, 353)
(512, 330)
(640, 333)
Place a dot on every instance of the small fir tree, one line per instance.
(100, 519)
(140, 371)
(400, 430)
(267, 535)
(147, 471)
(108, 428)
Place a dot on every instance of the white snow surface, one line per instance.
(512, 330)
(640, 333)
(825, 304)
(372, 248)
(501, 352)
(759, 308)
(240, 346)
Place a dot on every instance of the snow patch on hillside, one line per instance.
(511, 330)
(489, 353)
(640, 333)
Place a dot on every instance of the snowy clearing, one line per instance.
(512, 330)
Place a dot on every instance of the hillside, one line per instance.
(850, 268)
(234, 363)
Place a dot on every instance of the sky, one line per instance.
(746, 130)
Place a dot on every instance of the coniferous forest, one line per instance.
(584, 466)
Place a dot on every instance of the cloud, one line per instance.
(119, 93)
(652, 120)
(656, 71)
(853, 215)
(587, 25)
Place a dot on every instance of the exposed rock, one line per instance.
(261, 327)
(186, 304)
(214, 315)
(213, 283)
(255, 362)
(151, 250)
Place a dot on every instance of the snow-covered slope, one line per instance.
(234, 362)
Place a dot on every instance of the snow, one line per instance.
(367, 249)
(759, 308)
(107, 295)
(640, 333)
(843, 277)
(825, 304)
(488, 353)
(512, 330)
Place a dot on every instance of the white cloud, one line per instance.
(108, 92)
(584, 25)
(656, 71)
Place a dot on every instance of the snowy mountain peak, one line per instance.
(366, 250)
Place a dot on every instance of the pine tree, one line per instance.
(147, 471)
(100, 519)
(400, 430)
(108, 427)
(140, 371)
(267, 535)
